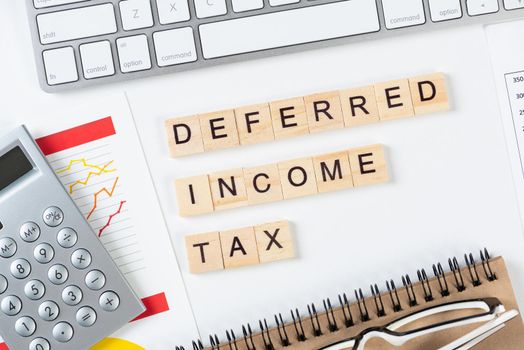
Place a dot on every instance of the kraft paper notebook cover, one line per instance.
(322, 325)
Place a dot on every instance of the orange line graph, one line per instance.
(111, 218)
(101, 171)
(103, 190)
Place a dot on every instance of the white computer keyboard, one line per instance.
(86, 42)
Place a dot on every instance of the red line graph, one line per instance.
(111, 218)
(103, 190)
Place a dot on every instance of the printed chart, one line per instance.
(515, 93)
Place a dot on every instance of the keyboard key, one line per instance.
(58, 274)
(405, 13)
(210, 8)
(173, 11)
(60, 66)
(34, 290)
(67, 237)
(281, 2)
(136, 14)
(109, 301)
(97, 59)
(20, 268)
(133, 52)
(513, 4)
(443, 10)
(25, 326)
(44, 253)
(95, 280)
(48, 311)
(63, 332)
(310, 24)
(83, 22)
(53, 216)
(247, 5)
(3, 284)
(39, 344)
(39, 4)
(11, 305)
(7, 247)
(86, 316)
(72, 295)
(175, 46)
(81, 259)
(29, 232)
(482, 7)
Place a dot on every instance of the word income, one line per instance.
(303, 115)
(274, 182)
(240, 247)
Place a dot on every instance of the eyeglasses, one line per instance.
(435, 319)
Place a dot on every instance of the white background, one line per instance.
(451, 188)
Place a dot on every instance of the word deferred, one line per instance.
(240, 247)
(274, 182)
(303, 115)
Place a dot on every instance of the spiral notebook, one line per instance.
(334, 321)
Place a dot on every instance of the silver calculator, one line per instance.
(59, 288)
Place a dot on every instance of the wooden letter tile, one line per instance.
(289, 118)
(274, 241)
(297, 178)
(324, 111)
(239, 247)
(204, 252)
(193, 196)
(359, 106)
(184, 136)
(254, 124)
(333, 172)
(368, 165)
(228, 189)
(263, 184)
(429, 93)
(394, 99)
(219, 130)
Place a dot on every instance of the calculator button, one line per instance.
(86, 316)
(3, 284)
(81, 259)
(53, 216)
(39, 344)
(67, 237)
(11, 305)
(20, 268)
(109, 301)
(25, 326)
(48, 311)
(7, 247)
(63, 332)
(34, 290)
(58, 274)
(72, 295)
(29, 232)
(44, 253)
(95, 280)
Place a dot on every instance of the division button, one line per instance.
(20, 268)
(81, 259)
(3, 284)
(29, 232)
(109, 301)
(25, 326)
(67, 237)
(7, 247)
(39, 344)
(72, 295)
(11, 305)
(95, 280)
(48, 311)
(34, 290)
(44, 253)
(63, 332)
(58, 274)
(86, 316)
(53, 216)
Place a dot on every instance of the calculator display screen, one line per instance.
(13, 165)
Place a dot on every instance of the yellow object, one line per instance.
(116, 344)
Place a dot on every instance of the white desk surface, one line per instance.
(451, 188)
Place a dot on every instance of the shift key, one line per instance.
(77, 23)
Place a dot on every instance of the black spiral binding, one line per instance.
(392, 296)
